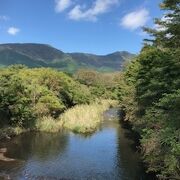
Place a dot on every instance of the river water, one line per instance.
(107, 154)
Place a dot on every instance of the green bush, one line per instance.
(28, 94)
(150, 97)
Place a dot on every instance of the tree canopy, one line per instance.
(150, 95)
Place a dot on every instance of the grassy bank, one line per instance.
(45, 124)
(80, 119)
(48, 124)
(85, 118)
(33, 99)
(8, 132)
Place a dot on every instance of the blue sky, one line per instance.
(93, 26)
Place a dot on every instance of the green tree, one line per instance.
(27, 95)
(150, 95)
(167, 31)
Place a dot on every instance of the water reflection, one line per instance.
(41, 146)
(107, 154)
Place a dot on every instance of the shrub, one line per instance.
(48, 124)
(85, 118)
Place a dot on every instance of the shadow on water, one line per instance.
(39, 145)
(129, 157)
(108, 154)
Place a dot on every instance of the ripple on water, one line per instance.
(106, 154)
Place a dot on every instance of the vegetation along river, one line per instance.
(107, 154)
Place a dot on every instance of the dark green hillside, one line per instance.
(42, 52)
(10, 57)
(112, 61)
(42, 55)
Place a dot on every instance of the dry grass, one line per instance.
(48, 124)
(85, 118)
(80, 119)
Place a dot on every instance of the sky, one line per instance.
(91, 26)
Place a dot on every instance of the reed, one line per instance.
(85, 118)
(48, 124)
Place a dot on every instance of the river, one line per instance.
(107, 154)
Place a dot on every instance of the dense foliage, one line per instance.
(150, 95)
(148, 90)
(29, 94)
(101, 85)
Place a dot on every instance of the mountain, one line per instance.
(42, 55)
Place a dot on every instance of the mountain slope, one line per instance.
(42, 55)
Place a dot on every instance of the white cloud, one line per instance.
(98, 7)
(142, 33)
(61, 5)
(135, 19)
(13, 30)
(4, 18)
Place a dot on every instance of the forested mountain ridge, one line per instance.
(42, 55)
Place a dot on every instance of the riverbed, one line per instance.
(109, 153)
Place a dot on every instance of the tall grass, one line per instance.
(45, 124)
(85, 118)
(80, 119)
(48, 124)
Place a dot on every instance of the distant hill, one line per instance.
(42, 55)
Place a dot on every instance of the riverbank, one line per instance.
(83, 118)
(8, 132)
(3, 157)
(107, 154)
(86, 118)
(80, 119)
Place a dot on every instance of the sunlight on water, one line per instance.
(106, 154)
